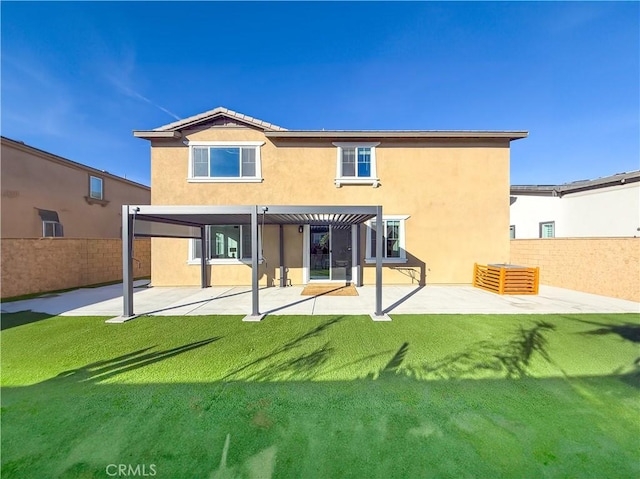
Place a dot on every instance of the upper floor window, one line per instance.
(224, 161)
(512, 232)
(548, 229)
(95, 188)
(356, 164)
(393, 237)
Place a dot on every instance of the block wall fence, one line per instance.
(35, 265)
(606, 266)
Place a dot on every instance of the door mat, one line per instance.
(329, 290)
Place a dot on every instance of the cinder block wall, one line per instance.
(34, 265)
(606, 266)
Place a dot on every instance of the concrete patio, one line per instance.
(432, 299)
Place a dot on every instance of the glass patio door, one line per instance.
(319, 253)
(341, 253)
(330, 256)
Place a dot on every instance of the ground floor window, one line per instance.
(393, 236)
(225, 242)
(51, 226)
(51, 229)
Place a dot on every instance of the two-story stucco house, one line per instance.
(444, 197)
(599, 208)
(45, 195)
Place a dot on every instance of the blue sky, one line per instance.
(78, 77)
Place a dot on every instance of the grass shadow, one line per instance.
(511, 358)
(391, 429)
(273, 365)
(102, 370)
(628, 331)
(392, 368)
(13, 320)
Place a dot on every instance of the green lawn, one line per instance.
(478, 396)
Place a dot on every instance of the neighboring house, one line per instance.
(443, 195)
(605, 207)
(45, 195)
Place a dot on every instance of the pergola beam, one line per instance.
(328, 210)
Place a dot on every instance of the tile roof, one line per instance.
(576, 186)
(216, 112)
(173, 130)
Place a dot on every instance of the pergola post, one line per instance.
(127, 268)
(127, 261)
(203, 256)
(255, 309)
(283, 274)
(358, 278)
(379, 315)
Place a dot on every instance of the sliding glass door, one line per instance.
(330, 255)
(319, 253)
(341, 253)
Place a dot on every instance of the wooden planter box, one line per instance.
(506, 278)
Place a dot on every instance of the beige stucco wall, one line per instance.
(33, 180)
(456, 195)
(48, 264)
(606, 266)
(170, 266)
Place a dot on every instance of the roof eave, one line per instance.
(46, 155)
(568, 188)
(411, 134)
(533, 191)
(154, 135)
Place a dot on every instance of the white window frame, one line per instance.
(372, 180)
(220, 179)
(44, 229)
(91, 177)
(541, 227)
(369, 258)
(196, 261)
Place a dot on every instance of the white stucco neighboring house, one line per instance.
(604, 207)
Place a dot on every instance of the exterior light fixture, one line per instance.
(300, 229)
